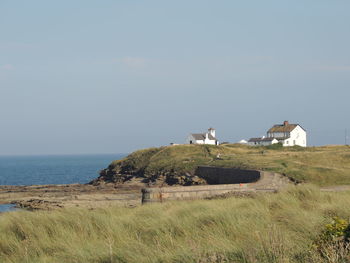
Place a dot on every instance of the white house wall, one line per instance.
(287, 142)
(212, 132)
(298, 137)
(194, 141)
(212, 142)
(189, 139)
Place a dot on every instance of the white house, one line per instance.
(203, 138)
(286, 133)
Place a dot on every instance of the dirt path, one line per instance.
(337, 188)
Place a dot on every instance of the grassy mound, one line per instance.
(264, 228)
(327, 165)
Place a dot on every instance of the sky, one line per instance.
(114, 76)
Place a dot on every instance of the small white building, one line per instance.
(262, 141)
(203, 138)
(287, 134)
(243, 142)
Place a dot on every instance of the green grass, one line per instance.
(264, 229)
(324, 166)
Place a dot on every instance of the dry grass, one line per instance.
(264, 228)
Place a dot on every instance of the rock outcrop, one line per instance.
(119, 176)
(142, 167)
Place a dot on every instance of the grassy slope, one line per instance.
(265, 228)
(327, 165)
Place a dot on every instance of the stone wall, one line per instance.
(162, 194)
(267, 182)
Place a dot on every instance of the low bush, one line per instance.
(276, 146)
(333, 244)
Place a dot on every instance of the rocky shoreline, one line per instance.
(48, 197)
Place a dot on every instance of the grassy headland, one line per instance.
(323, 166)
(264, 228)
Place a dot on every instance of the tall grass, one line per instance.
(265, 228)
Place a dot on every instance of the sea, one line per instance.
(52, 169)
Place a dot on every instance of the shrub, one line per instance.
(333, 245)
(276, 146)
(336, 230)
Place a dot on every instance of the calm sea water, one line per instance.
(60, 169)
(7, 207)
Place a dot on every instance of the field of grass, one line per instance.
(265, 228)
(323, 166)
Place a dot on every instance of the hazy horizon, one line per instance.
(87, 77)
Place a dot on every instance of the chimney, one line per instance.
(285, 123)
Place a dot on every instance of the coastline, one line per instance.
(48, 197)
(7, 208)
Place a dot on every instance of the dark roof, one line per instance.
(198, 136)
(254, 139)
(283, 128)
(201, 136)
(267, 139)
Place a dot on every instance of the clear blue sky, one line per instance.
(114, 76)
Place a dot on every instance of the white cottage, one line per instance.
(203, 138)
(286, 133)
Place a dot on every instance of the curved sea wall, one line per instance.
(219, 175)
(266, 182)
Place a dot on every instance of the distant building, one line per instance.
(262, 141)
(203, 138)
(287, 134)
